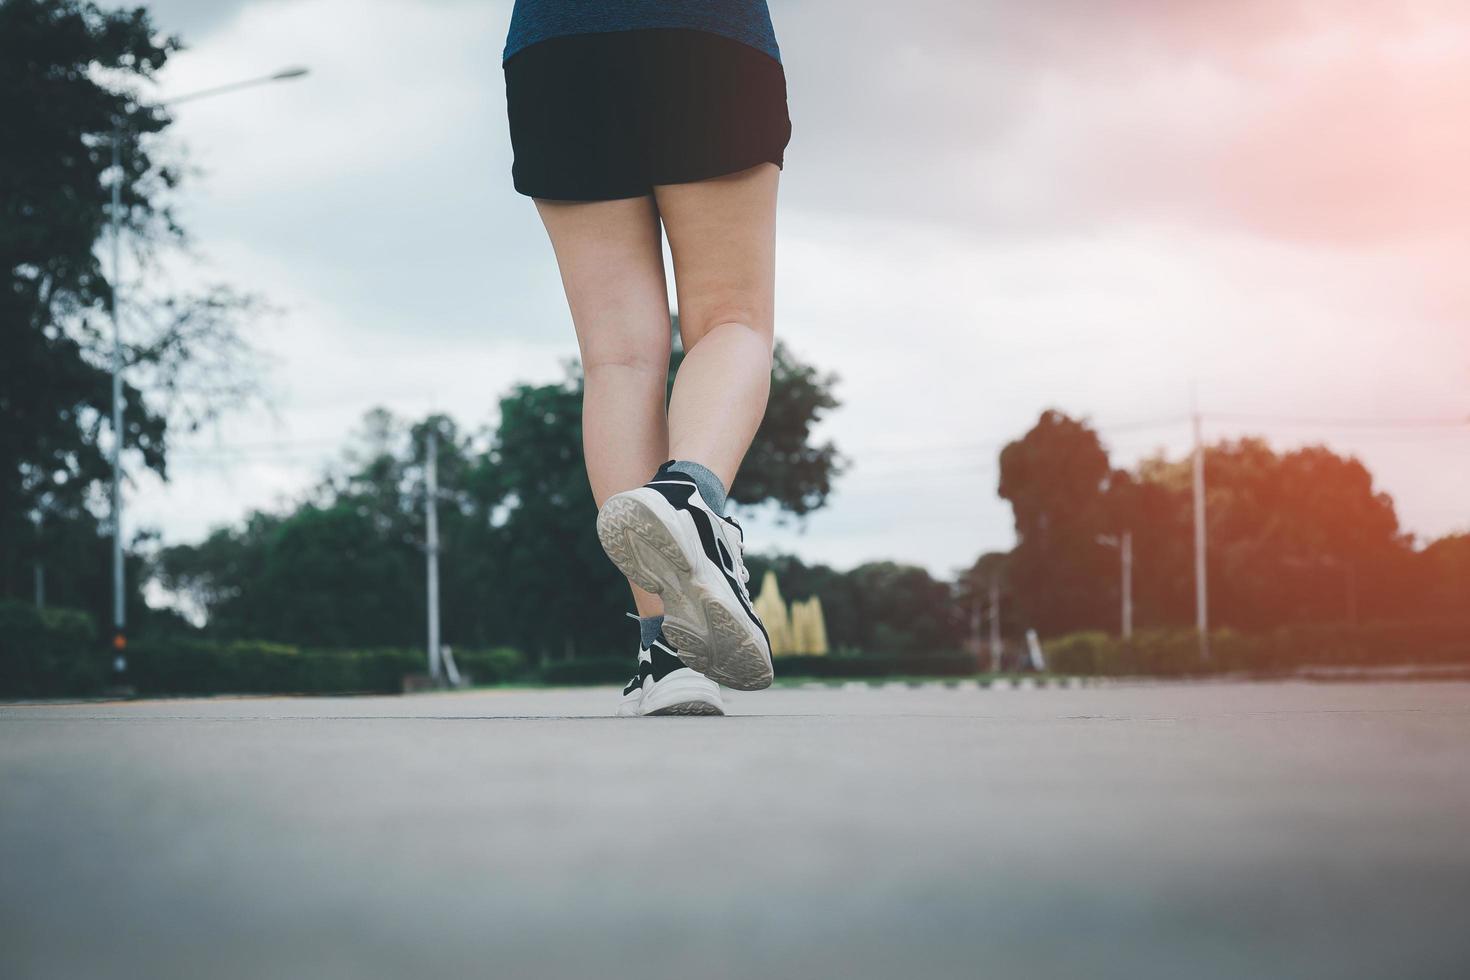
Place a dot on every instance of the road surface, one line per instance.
(1200, 831)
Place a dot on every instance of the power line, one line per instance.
(1339, 423)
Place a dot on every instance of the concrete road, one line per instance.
(1212, 830)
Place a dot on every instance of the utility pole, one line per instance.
(1201, 586)
(40, 559)
(995, 624)
(977, 616)
(119, 607)
(431, 516)
(1126, 547)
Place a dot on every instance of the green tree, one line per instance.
(1443, 576)
(1300, 537)
(519, 564)
(68, 73)
(1155, 506)
(345, 567)
(560, 595)
(1295, 537)
(1056, 478)
(878, 607)
(972, 596)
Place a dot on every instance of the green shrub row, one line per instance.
(1177, 653)
(247, 667)
(617, 670)
(49, 652)
(954, 664)
(57, 653)
(594, 670)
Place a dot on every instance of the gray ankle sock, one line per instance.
(648, 627)
(709, 485)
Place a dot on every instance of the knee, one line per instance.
(748, 324)
(604, 358)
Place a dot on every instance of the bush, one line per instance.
(1079, 653)
(494, 666)
(954, 664)
(1175, 652)
(598, 670)
(1437, 641)
(49, 652)
(177, 666)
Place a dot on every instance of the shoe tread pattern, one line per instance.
(688, 708)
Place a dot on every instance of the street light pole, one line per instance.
(1124, 543)
(431, 521)
(996, 659)
(1127, 549)
(1201, 583)
(119, 605)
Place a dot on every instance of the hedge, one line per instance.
(617, 670)
(57, 653)
(49, 652)
(1176, 652)
(248, 667)
(867, 665)
(594, 670)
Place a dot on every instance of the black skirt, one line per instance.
(596, 117)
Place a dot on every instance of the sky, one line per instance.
(1116, 208)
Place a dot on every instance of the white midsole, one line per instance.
(631, 705)
(683, 686)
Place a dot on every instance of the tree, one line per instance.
(66, 76)
(1056, 478)
(1294, 537)
(972, 596)
(345, 567)
(1300, 537)
(878, 607)
(1443, 577)
(566, 599)
(1154, 505)
(519, 563)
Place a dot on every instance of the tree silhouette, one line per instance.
(66, 76)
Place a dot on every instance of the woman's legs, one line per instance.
(722, 233)
(611, 258)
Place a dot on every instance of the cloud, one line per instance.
(1293, 120)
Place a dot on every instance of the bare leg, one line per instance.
(611, 260)
(722, 233)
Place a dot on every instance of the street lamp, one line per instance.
(1124, 543)
(119, 610)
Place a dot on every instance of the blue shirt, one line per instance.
(748, 21)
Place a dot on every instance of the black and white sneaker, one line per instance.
(670, 688)
(667, 540)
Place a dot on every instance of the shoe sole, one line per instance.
(683, 692)
(687, 708)
(709, 636)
